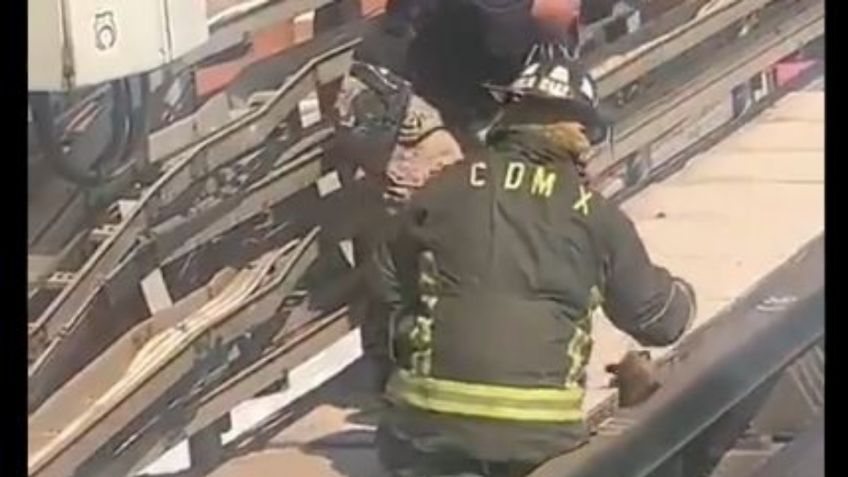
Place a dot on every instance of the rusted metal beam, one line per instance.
(784, 30)
(167, 357)
(62, 318)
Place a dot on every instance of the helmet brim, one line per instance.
(533, 108)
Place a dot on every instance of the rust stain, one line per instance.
(370, 8)
(265, 43)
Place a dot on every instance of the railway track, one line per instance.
(168, 221)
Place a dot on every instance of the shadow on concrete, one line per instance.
(350, 451)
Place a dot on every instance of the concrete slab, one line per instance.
(324, 442)
(333, 438)
(734, 214)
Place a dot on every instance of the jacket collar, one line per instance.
(530, 143)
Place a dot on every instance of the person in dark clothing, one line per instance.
(399, 141)
(448, 48)
(490, 286)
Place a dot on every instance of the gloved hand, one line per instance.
(635, 378)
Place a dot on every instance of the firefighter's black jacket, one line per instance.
(489, 289)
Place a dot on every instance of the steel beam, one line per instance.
(298, 341)
(711, 372)
(707, 82)
(250, 299)
(63, 317)
(621, 70)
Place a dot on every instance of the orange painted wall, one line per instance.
(266, 43)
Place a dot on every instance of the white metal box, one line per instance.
(75, 43)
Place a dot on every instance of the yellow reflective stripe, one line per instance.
(476, 390)
(579, 349)
(494, 411)
(580, 345)
(574, 357)
(428, 286)
(491, 401)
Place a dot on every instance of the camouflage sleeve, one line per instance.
(423, 145)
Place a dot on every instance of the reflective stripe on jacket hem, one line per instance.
(488, 401)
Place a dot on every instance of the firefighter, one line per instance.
(491, 283)
(396, 135)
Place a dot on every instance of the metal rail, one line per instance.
(803, 457)
(712, 371)
(301, 345)
(168, 357)
(182, 134)
(57, 325)
(784, 28)
(615, 72)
